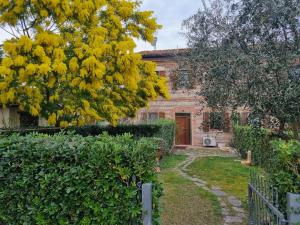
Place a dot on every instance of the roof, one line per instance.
(163, 53)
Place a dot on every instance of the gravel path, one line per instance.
(232, 210)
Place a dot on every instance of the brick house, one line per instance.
(194, 121)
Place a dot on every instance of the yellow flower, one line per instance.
(25, 43)
(5, 70)
(76, 81)
(3, 85)
(22, 75)
(11, 95)
(58, 54)
(39, 51)
(60, 68)
(51, 82)
(54, 98)
(73, 64)
(52, 119)
(84, 62)
(63, 124)
(8, 62)
(83, 73)
(44, 13)
(44, 69)
(86, 104)
(19, 61)
(31, 69)
(34, 111)
(10, 48)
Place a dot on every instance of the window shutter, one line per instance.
(206, 122)
(162, 73)
(143, 116)
(162, 115)
(226, 122)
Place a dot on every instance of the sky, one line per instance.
(170, 14)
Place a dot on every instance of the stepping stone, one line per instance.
(199, 184)
(233, 219)
(195, 179)
(237, 209)
(205, 188)
(224, 211)
(223, 204)
(242, 215)
(234, 201)
(215, 188)
(218, 193)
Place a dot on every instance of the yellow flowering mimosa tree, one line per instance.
(73, 61)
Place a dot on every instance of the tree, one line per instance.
(73, 61)
(246, 54)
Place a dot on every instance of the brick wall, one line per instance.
(183, 101)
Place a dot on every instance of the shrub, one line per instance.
(279, 158)
(71, 179)
(163, 128)
(256, 140)
(285, 168)
(166, 132)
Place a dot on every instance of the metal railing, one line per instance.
(264, 204)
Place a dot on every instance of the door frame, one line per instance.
(189, 116)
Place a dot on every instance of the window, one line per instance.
(294, 73)
(183, 79)
(216, 121)
(161, 73)
(27, 120)
(152, 116)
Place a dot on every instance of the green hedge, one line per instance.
(278, 157)
(285, 169)
(163, 128)
(71, 179)
(256, 140)
(166, 132)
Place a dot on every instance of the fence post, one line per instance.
(147, 203)
(250, 218)
(293, 208)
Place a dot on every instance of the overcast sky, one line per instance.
(170, 14)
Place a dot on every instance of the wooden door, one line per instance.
(183, 129)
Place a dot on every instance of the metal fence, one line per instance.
(264, 204)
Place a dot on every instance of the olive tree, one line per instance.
(246, 54)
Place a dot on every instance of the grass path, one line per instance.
(227, 173)
(204, 186)
(183, 202)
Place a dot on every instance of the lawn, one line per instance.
(183, 202)
(226, 173)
